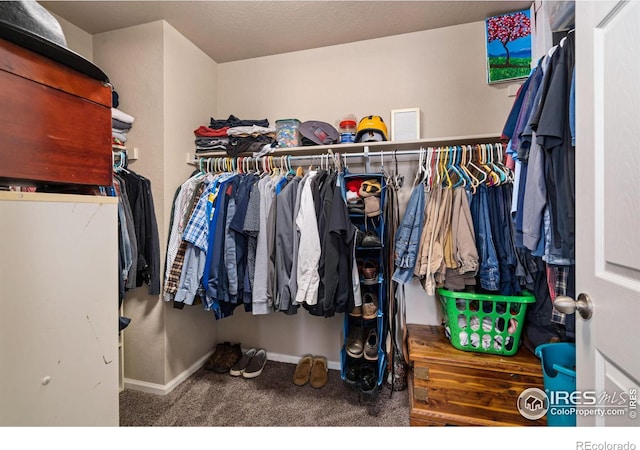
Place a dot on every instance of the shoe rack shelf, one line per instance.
(357, 368)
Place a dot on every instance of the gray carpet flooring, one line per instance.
(270, 400)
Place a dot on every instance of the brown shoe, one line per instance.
(370, 272)
(355, 344)
(231, 356)
(369, 306)
(319, 372)
(215, 359)
(303, 371)
(356, 311)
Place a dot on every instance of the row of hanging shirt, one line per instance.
(541, 133)
(269, 240)
(138, 240)
(456, 231)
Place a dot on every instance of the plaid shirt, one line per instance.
(173, 277)
(197, 229)
(557, 282)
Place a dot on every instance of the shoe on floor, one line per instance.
(256, 364)
(215, 359)
(238, 368)
(303, 371)
(232, 354)
(319, 372)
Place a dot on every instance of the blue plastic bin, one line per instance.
(559, 374)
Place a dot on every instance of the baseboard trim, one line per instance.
(164, 389)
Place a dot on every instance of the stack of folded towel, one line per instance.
(121, 123)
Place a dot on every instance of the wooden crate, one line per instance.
(56, 122)
(452, 387)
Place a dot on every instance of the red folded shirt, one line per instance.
(210, 132)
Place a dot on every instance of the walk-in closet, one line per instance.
(351, 224)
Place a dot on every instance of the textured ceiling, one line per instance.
(235, 30)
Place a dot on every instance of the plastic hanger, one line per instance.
(492, 179)
(484, 175)
(459, 152)
(499, 160)
(420, 171)
(428, 172)
(453, 166)
(443, 175)
(495, 167)
(473, 181)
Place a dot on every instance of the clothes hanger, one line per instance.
(272, 167)
(492, 179)
(443, 176)
(428, 170)
(444, 155)
(453, 166)
(419, 172)
(484, 175)
(237, 161)
(497, 169)
(473, 180)
(397, 178)
(499, 154)
(459, 152)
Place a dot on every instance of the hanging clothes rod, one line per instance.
(364, 154)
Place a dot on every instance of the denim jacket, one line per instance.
(407, 239)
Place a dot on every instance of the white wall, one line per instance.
(78, 40)
(152, 69)
(189, 96)
(441, 71)
(133, 60)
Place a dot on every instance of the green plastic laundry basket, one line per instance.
(484, 323)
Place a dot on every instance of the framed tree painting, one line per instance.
(508, 38)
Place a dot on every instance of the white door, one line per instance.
(608, 202)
